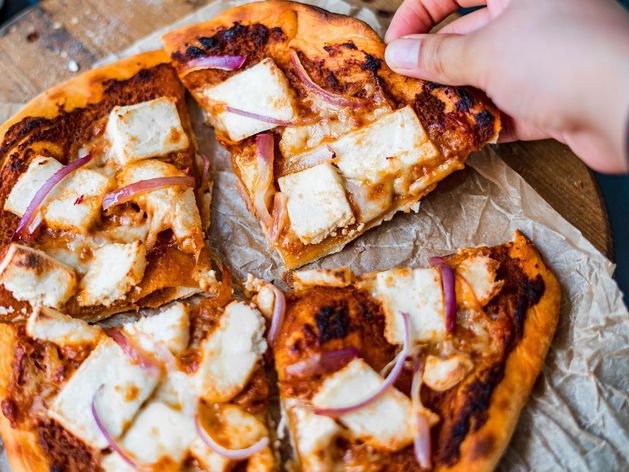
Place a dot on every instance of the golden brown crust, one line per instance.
(482, 449)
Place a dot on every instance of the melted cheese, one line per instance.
(317, 204)
(50, 325)
(261, 89)
(147, 129)
(231, 353)
(393, 143)
(386, 423)
(416, 292)
(39, 171)
(125, 387)
(33, 276)
(113, 271)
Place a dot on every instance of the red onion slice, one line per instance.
(308, 159)
(279, 216)
(279, 309)
(133, 352)
(328, 96)
(263, 118)
(449, 291)
(126, 193)
(232, 454)
(422, 434)
(265, 158)
(324, 362)
(216, 62)
(110, 439)
(205, 172)
(24, 227)
(388, 382)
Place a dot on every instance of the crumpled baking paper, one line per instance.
(577, 418)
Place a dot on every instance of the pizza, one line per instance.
(104, 199)
(326, 141)
(413, 369)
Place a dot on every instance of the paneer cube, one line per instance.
(341, 277)
(416, 292)
(386, 423)
(317, 204)
(147, 129)
(170, 327)
(113, 271)
(443, 374)
(158, 434)
(231, 353)
(372, 199)
(125, 388)
(76, 202)
(31, 275)
(39, 171)
(480, 274)
(395, 142)
(261, 89)
(51, 325)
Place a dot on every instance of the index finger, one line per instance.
(419, 16)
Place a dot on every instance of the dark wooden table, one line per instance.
(57, 39)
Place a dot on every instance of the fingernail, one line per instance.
(403, 53)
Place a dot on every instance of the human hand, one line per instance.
(557, 68)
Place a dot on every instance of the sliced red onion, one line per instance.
(422, 424)
(126, 193)
(205, 173)
(132, 351)
(328, 96)
(279, 309)
(265, 158)
(324, 362)
(388, 381)
(279, 216)
(308, 159)
(110, 439)
(216, 62)
(449, 291)
(263, 118)
(24, 227)
(231, 454)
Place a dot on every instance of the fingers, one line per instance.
(469, 23)
(444, 58)
(419, 16)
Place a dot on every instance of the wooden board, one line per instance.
(59, 38)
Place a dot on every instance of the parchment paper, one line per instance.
(577, 418)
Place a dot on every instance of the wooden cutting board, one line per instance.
(57, 39)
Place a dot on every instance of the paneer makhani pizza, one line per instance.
(100, 196)
(326, 140)
(413, 369)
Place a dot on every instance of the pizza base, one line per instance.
(481, 450)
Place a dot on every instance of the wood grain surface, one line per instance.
(60, 38)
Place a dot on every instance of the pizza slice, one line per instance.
(411, 369)
(326, 141)
(104, 200)
(182, 387)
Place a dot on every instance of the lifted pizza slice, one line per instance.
(412, 369)
(326, 140)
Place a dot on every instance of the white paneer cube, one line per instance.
(147, 129)
(372, 199)
(158, 434)
(341, 277)
(51, 325)
(230, 354)
(386, 423)
(170, 327)
(177, 390)
(31, 275)
(76, 202)
(39, 171)
(395, 142)
(261, 89)
(417, 292)
(173, 207)
(238, 430)
(125, 388)
(443, 374)
(113, 271)
(480, 273)
(313, 435)
(317, 204)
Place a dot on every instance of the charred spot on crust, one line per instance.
(336, 49)
(333, 321)
(193, 51)
(465, 101)
(371, 63)
(484, 447)
(64, 450)
(529, 295)
(484, 125)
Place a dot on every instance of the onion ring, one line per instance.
(232, 454)
(126, 193)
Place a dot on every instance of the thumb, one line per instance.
(443, 58)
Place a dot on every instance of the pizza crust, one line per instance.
(482, 449)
